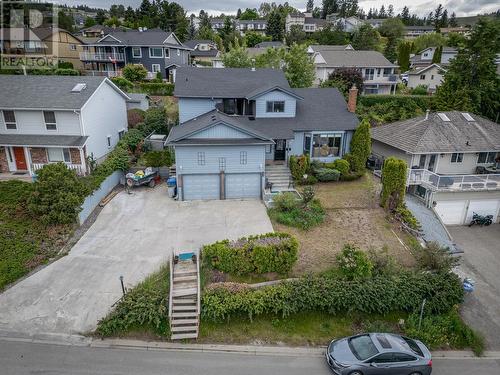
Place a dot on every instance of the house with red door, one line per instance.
(50, 119)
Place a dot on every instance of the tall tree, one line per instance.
(453, 20)
(310, 6)
(237, 56)
(249, 14)
(329, 7)
(390, 11)
(296, 35)
(471, 82)
(299, 66)
(436, 21)
(393, 29)
(238, 13)
(405, 15)
(366, 38)
(404, 50)
(382, 13)
(181, 26)
(275, 26)
(100, 17)
(436, 58)
(130, 15)
(65, 21)
(443, 22)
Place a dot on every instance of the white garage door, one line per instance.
(243, 185)
(483, 207)
(198, 187)
(451, 212)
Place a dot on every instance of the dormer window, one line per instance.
(50, 120)
(275, 106)
(10, 120)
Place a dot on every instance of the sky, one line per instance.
(421, 7)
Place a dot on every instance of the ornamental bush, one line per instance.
(354, 263)
(158, 159)
(394, 173)
(383, 294)
(134, 72)
(341, 165)
(271, 252)
(299, 166)
(327, 174)
(360, 147)
(123, 83)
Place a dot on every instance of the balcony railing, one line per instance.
(102, 56)
(103, 73)
(78, 168)
(438, 182)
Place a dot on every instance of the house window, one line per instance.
(370, 89)
(422, 77)
(222, 164)
(72, 47)
(155, 68)
(369, 73)
(229, 106)
(278, 106)
(178, 52)
(326, 145)
(9, 155)
(379, 72)
(155, 52)
(269, 149)
(109, 140)
(387, 72)
(136, 52)
(457, 157)
(307, 144)
(201, 158)
(50, 120)
(486, 157)
(243, 157)
(10, 120)
(121, 133)
(55, 155)
(167, 53)
(432, 76)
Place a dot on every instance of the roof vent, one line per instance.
(468, 117)
(79, 87)
(443, 117)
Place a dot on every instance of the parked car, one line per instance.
(405, 77)
(378, 354)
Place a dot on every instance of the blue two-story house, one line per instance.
(157, 50)
(236, 123)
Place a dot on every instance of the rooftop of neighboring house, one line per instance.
(255, 51)
(354, 59)
(318, 109)
(196, 52)
(327, 47)
(273, 44)
(423, 69)
(417, 59)
(49, 92)
(315, 21)
(251, 22)
(31, 34)
(226, 82)
(424, 27)
(146, 37)
(101, 29)
(440, 132)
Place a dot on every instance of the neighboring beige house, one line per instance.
(431, 76)
(454, 161)
(308, 23)
(416, 31)
(378, 72)
(203, 50)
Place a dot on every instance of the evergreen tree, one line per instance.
(238, 13)
(204, 20)
(360, 146)
(181, 26)
(444, 19)
(453, 20)
(381, 12)
(299, 66)
(275, 26)
(366, 38)
(296, 35)
(436, 58)
(310, 6)
(100, 17)
(436, 20)
(405, 15)
(404, 50)
(390, 11)
(66, 21)
(130, 15)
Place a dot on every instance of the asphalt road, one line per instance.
(18, 358)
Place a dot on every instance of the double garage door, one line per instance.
(460, 212)
(208, 186)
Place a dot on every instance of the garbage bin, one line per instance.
(172, 187)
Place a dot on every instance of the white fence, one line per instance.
(93, 200)
(78, 168)
(438, 182)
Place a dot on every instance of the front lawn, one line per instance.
(25, 242)
(352, 215)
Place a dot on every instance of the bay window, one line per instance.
(326, 145)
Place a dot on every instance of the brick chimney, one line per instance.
(353, 98)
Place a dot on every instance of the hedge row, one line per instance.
(377, 295)
(271, 252)
(160, 89)
(424, 102)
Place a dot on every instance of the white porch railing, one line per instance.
(102, 56)
(104, 73)
(438, 182)
(76, 167)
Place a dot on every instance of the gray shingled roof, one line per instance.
(226, 82)
(355, 59)
(46, 92)
(328, 47)
(418, 135)
(194, 42)
(153, 37)
(274, 44)
(322, 109)
(42, 140)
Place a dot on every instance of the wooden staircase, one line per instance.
(184, 306)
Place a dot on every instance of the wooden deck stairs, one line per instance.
(184, 306)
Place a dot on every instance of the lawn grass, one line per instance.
(25, 243)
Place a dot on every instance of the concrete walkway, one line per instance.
(133, 236)
(432, 228)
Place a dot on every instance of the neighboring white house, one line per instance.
(138, 101)
(306, 21)
(378, 72)
(454, 161)
(430, 76)
(48, 119)
(424, 57)
(416, 31)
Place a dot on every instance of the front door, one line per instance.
(20, 159)
(280, 149)
(432, 163)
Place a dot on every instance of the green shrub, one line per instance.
(352, 176)
(299, 166)
(383, 263)
(58, 194)
(377, 295)
(123, 83)
(327, 174)
(158, 159)
(354, 263)
(285, 202)
(65, 65)
(271, 252)
(444, 331)
(394, 173)
(303, 217)
(419, 90)
(341, 165)
(434, 257)
(308, 195)
(135, 117)
(421, 102)
(66, 72)
(360, 147)
(134, 72)
(131, 139)
(407, 217)
(144, 307)
(159, 89)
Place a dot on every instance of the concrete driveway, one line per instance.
(133, 236)
(481, 262)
